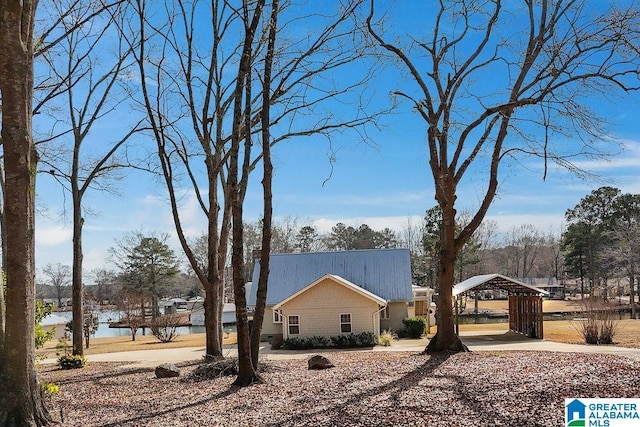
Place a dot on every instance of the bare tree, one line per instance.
(132, 305)
(21, 400)
(522, 247)
(59, 278)
(190, 107)
(625, 236)
(238, 179)
(89, 78)
(496, 82)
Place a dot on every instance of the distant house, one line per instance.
(173, 305)
(333, 293)
(196, 317)
(555, 287)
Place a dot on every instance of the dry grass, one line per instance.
(565, 331)
(142, 342)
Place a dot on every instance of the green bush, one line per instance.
(42, 336)
(296, 343)
(73, 361)
(319, 342)
(364, 339)
(414, 326)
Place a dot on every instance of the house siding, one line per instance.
(320, 307)
(398, 311)
(269, 329)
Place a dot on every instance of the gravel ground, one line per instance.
(364, 389)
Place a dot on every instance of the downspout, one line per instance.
(285, 325)
(373, 318)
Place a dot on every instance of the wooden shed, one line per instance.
(525, 301)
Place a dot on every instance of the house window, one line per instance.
(294, 325)
(384, 314)
(277, 316)
(345, 323)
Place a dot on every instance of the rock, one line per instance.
(320, 362)
(167, 370)
(277, 341)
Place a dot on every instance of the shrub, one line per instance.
(340, 341)
(165, 327)
(387, 337)
(66, 360)
(42, 336)
(295, 343)
(414, 326)
(363, 339)
(600, 325)
(319, 342)
(608, 329)
(49, 388)
(73, 361)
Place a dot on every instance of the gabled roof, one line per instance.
(347, 284)
(383, 272)
(496, 281)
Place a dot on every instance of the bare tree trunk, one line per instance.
(3, 266)
(21, 401)
(261, 295)
(77, 321)
(632, 296)
(247, 373)
(446, 339)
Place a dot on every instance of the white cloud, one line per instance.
(53, 234)
(543, 222)
(505, 222)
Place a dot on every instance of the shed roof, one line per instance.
(347, 284)
(496, 281)
(383, 272)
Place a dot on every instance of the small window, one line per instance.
(345, 323)
(294, 325)
(277, 316)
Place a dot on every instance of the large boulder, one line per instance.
(167, 370)
(320, 362)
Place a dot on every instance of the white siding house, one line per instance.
(332, 293)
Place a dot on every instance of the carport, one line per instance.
(525, 301)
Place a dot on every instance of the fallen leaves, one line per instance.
(364, 389)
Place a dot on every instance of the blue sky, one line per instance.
(382, 183)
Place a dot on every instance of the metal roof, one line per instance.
(496, 281)
(383, 272)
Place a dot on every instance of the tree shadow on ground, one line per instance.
(155, 414)
(463, 390)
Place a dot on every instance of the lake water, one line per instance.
(106, 317)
